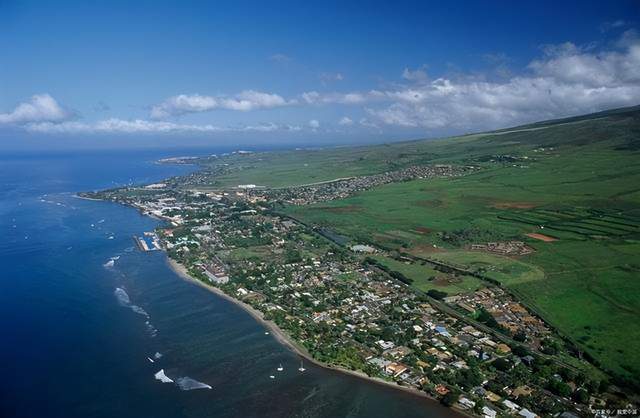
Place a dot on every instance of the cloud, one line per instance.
(567, 80)
(280, 58)
(314, 124)
(607, 26)
(195, 103)
(345, 121)
(419, 75)
(40, 108)
(330, 77)
(115, 125)
(313, 97)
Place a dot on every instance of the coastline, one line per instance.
(283, 338)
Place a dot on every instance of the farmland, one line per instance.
(568, 189)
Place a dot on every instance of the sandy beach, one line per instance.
(288, 342)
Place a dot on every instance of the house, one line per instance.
(442, 331)
(395, 369)
(522, 391)
(503, 348)
(488, 412)
(466, 403)
(398, 352)
(511, 405)
(493, 397)
(527, 414)
(385, 345)
(442, 390)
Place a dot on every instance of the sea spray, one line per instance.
(124, 300)
(161, 376)
(187, 383)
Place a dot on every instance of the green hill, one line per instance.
(574, 181)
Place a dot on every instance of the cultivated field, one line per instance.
(569, 189)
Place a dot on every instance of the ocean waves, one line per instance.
(124, 300)
(161, 376)
(184, 383)
(111, 262)
(187, 383)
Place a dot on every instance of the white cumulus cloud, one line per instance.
(39, 108)
(567, 80)
(193, 103)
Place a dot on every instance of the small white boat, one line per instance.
(272, 377)
(301, 368)
(150, 360)
(280, 368)
(266, 333)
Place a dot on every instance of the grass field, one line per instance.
(576, 181)
(426, 278)
(583, 191)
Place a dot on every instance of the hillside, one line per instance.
(573, 182)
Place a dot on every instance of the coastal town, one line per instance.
(481, 352)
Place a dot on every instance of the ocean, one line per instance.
(87, 320)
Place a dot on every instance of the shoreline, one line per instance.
(283, 338)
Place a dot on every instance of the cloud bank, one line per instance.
(115, 125)
(195, 103)
(564, 80)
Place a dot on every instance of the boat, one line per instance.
(280, 368)
(272, 377)
(301, 368)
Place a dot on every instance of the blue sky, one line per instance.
(204, 73)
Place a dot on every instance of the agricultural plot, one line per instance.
(585, 222)
(579, 182)
(426, 278)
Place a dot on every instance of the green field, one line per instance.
(577, 181)
(426, 278)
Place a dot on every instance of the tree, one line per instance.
(502, 364)
(520, 351)
(520, 336)
(559, 388)
(450, 398)
(581, 396)
(437, 294)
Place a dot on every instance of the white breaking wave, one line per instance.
(124, 300)
(187, 383)
(111, 262)
(153, 331)
(162, 377)
(122, 296)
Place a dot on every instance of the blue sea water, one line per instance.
(77, 331)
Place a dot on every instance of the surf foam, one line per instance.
(187, 383)
(124, 300)
(161, 376)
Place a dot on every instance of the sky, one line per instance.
(141, 74)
